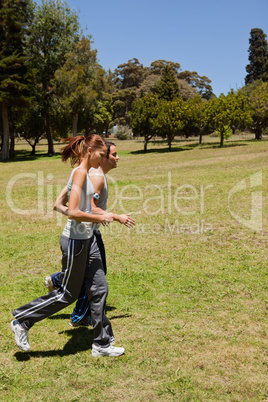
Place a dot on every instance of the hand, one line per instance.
(107, 218)
(126, 220)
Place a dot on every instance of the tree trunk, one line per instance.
(12, 138)
(6, 133)
(169, 143)
(51, 150)
(75, 121)
(36, 140)
(145, 145)
(200, 138)
(221, 144)
(258, 134)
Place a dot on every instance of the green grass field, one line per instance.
(187, 286)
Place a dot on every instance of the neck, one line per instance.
(105, 169)
(84, 163)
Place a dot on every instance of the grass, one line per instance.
(188, 285)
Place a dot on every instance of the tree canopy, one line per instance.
(258, 57)
(257, 96)
(46, 64)
(53, 33)
(74, 81)
(14, 17)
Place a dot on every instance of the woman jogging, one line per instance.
(80, 255)
(81, 312)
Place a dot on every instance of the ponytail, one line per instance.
(77, 147)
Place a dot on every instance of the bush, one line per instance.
(123, 133)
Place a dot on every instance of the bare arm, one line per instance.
(61, 201)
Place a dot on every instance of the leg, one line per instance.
(56, 279)
(53, 281)
(74, 259)
(100, 244)
(97, 289)
(82, 307)
(81, 312)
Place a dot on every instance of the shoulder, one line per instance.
(97, 179)
(79, 175)
(96, 175)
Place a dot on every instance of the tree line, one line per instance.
(166, 110)
(51, 85)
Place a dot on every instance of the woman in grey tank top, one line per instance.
(81, 258)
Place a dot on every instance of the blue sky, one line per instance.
(209, 36)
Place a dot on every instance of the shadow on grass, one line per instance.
(162, 150)
(81, 339)
(116, 317)
(25, 156)
(189, 147)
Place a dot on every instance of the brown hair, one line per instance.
(77, 147)
(108, 145)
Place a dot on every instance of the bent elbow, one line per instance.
(71, 216)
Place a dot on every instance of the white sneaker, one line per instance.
(111, 351)
(21, 335)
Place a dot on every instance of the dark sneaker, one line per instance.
(49, 284)
(85, 322)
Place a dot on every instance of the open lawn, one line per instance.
(188, 285)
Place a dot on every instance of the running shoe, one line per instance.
(85, 322)
(21, 336)
(112, 351)
(49, 284)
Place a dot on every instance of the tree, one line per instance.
(163, 77)
(194, 117)
(168, 88)
(257, 95)
(129, 75)
(143, 117)
(74, 81)
(30, 124)
(54, 32)
(169, 120)
(127, 79)
(103, 116)
(196, 84)
(149, 85)
(122, 104)
(200, 84)
(258, 57)
(14, 18)
(186, 91)
(157, 67)
(228, 111)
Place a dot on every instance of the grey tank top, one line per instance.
(74, 229)
(102, 201)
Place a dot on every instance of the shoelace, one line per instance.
(23, 337)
